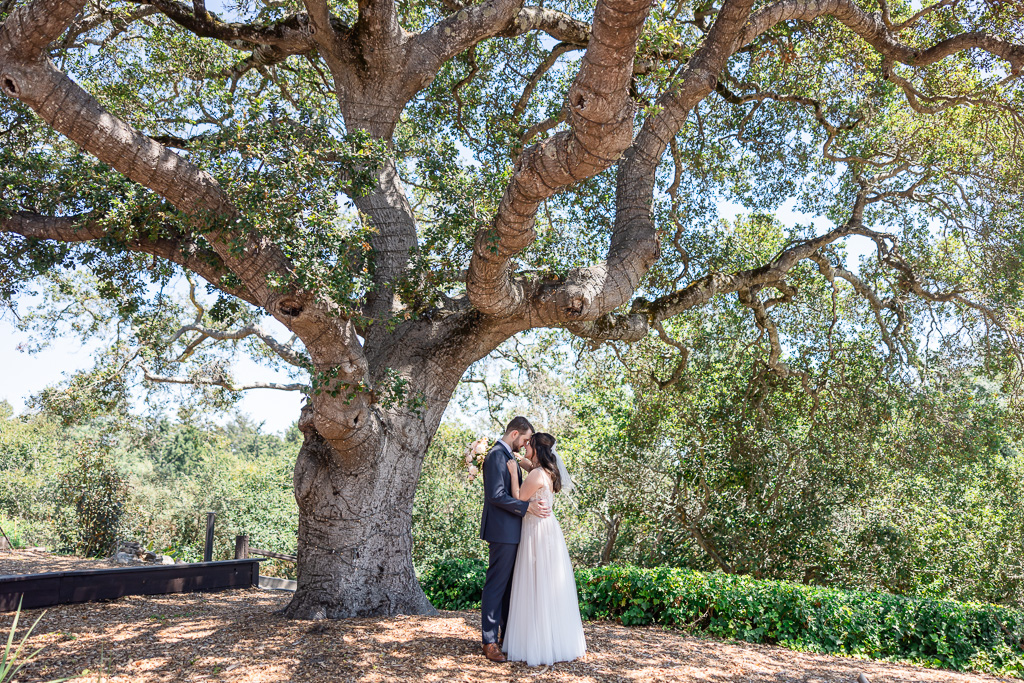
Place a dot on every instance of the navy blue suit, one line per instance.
(500, 525)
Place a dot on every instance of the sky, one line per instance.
(26, 374)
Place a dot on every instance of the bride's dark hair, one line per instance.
(543, 443)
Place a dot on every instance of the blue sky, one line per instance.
(26, 374)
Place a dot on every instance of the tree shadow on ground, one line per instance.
(240, 636)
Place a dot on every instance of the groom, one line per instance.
(500, 526)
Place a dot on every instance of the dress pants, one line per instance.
(497, 590)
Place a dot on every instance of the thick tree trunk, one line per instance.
(355, 501)
(355, 527)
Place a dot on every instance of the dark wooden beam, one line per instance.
(208, 548)
(241, 547)
(59, 588)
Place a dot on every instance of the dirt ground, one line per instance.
(35, 562)
(239, 636)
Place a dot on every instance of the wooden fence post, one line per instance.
(208, 550)
(241, 547)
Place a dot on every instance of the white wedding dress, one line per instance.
(544, 624)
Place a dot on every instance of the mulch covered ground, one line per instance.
(238, 636)
(35, 562)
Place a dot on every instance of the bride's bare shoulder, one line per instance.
(538, 475)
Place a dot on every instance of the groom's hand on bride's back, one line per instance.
(539, 508)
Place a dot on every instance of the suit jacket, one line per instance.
(502, 519)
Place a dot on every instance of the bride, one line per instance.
(544, 624)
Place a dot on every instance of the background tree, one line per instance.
(878, 479)
(505, 170)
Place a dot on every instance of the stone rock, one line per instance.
(130, 548)
(122, 558)
(149, 556)
(164, 559)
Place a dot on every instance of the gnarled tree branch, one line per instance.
(219, 381)
(27, 74)
(290, 35)
(600, 116)
(180, 250)
(459, 32)
(749, 298)
(831, 272)
(873, 30)
(593, 292)
(32, 78)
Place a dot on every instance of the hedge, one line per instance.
(934, 633)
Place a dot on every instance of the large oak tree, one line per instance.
(405, 186)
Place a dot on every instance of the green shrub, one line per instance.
(455, 584)
(251, 497)
(24, 533)
(446, 510)
(936, 633)
(32, 452)
(91, 496)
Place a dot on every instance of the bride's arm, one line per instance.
(513, 469)
(534, 480)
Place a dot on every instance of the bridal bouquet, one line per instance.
(474, 456)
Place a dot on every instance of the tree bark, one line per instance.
(612, 522)
(355, 528)
(394, 239)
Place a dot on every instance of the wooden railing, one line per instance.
(242, 551)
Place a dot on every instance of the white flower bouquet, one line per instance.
(475, 453)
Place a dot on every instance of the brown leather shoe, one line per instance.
(493, 652)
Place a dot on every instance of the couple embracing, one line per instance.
(529, 610)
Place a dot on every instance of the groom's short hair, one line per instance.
(519, 424)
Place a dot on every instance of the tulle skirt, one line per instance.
(544, 624)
